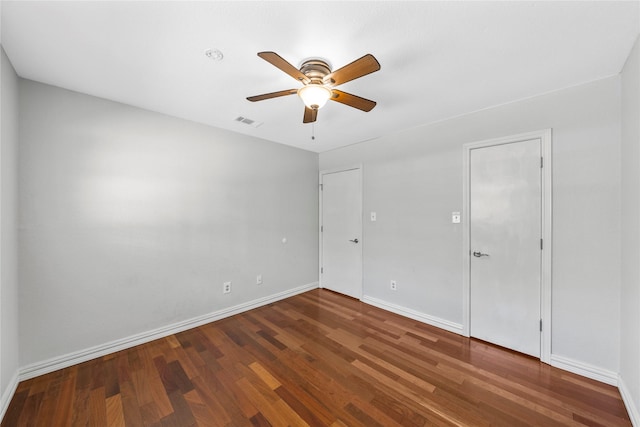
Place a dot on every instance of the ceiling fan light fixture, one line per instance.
(314, 96)
(319, 83)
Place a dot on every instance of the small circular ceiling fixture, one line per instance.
(214, 54)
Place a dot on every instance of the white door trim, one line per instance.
(545, 296)
(357, 167)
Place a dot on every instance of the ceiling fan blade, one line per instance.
(279, 62)
(352, 100)
(310, 115)
(272, 95)
(358, 68)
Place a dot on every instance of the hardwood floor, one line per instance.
(318, 359)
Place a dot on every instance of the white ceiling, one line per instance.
(439, 59)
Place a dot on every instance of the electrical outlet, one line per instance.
(259, 279)
(226, 287)
(394, 285)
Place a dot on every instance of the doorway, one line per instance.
(341, 231)
(507, 242)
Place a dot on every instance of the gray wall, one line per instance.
(9, 358)
(413, 180)
(630, 328)
(131, 220)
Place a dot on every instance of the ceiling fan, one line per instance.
(319, 82)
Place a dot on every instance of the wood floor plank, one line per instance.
(98, 408)
(115, 412)
(30, 410)
(141, 386)
(305, 407)
(16, 407)
(47, 409)
(130, 406)
(224, 408)
(265, 376)
(235, 397)
(64, 406)
(317, 359)
(159, 396)
(275, 410)
(150, 414)
(205, 413)
(182, 412)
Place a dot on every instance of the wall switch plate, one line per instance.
(226, 287)
(373, 216)
(259, 279)
(455, 217)
(394, 285)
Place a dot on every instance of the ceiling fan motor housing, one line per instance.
(315, 70)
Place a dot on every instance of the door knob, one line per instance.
(354, 240)
(479, 254)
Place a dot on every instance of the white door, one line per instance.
(505, 226)
(341, 232)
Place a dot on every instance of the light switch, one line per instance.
(455, 217)
(373, 216)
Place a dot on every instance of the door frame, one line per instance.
(546, 187)
(321, 174)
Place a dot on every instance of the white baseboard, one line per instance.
(413, 314)
(8, 395)
(70, 359)
(632, 409)
(585, 369)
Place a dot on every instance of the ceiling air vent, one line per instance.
(248, 121)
